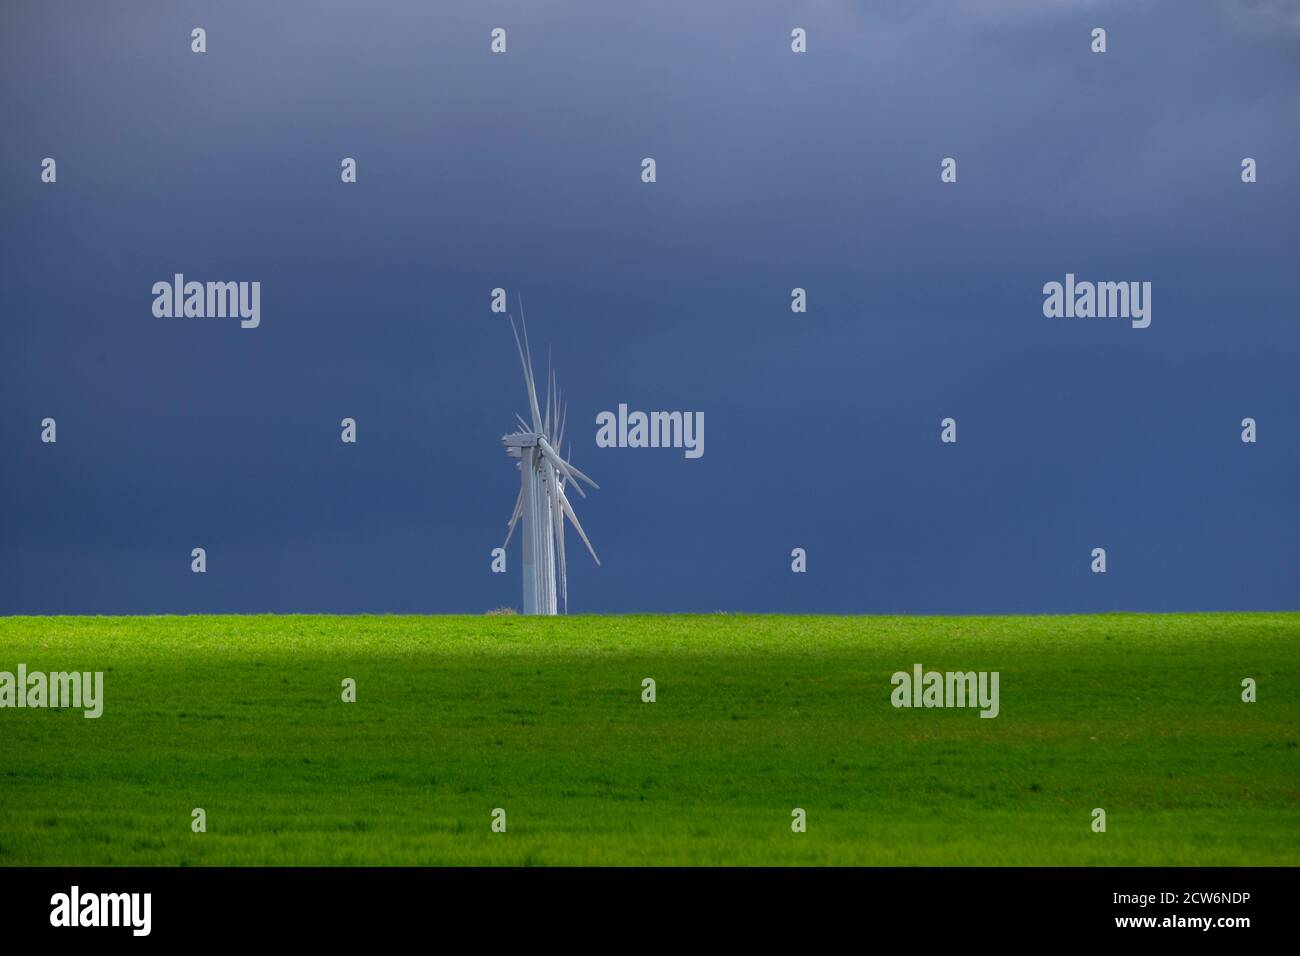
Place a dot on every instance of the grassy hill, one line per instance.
(1138, 714)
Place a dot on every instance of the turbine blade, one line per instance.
(550, 381)
(526, 360)
(532, 384)
(550, 455)
(569, 470)
(577, 526)
(555, 397)
(514, 516)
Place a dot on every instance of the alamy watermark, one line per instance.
(1098, 300)
(75, 908)
(651, 430)
(76, 689)
(208, 300)
(947, 689)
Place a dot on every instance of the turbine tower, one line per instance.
(542, 505)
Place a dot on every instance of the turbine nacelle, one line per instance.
(519, 440)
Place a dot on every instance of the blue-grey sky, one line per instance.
(775, 170)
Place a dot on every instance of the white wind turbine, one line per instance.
(542, 503)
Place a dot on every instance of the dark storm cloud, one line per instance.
(775, 171)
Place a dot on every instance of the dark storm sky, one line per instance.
(775, 171)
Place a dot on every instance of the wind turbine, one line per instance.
(542, 504)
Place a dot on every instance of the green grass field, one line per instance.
(1138, 714)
